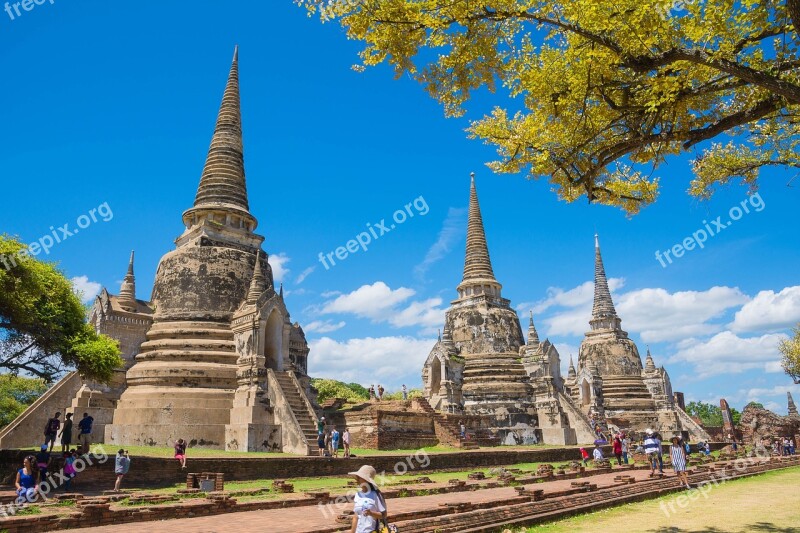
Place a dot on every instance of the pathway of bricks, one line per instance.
(311, 519)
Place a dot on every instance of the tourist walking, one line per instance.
(321, 426)
(346, 442)
(66, 434)
(626, 448)
(335, 441)
(122, 464)
(180, 452)
(27, 481)
(597, 453)
(321, 443)
(369, 505)
(51, 430)
(463, 430)
(43, 460)
(380, 392)
(585, 456)
(85, 437)
(653, 449)
(617, 448)
(371, 392)
(677, 454)
(405, 392)
(659, 455)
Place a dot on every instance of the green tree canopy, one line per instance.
(43, 328)
(710, 414)
(328, 389)
(790, 355)
(603, 91)
(17, 393)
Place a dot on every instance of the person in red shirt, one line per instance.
(585, 456)
(617, 447)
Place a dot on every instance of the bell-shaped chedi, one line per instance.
(181, 384)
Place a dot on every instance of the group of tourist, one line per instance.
(35, 470)
(53, 429)
(783, 447)
(376, 393)
(329, 440)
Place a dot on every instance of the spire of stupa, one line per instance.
(477, 265)
(258, 284)
(792, 406)
(222, 186)
(649, 364)
(127, 292)
(571, 374)
(533, 336)
(603, 313)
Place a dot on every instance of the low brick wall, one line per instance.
(159, 472)
(486, 516)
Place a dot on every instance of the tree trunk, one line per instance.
(793, 7)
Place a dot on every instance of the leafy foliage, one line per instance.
(790, 352)
(17, 393)
(330, 388)
(603, 91)
(43, 328)
(710, 414)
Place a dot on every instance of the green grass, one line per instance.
(31, 510)
(766, 502)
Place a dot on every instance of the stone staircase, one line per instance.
(446, 430)
(298, 403)
(626, 393)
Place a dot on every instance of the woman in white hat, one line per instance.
(369, 506)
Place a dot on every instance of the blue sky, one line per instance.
(114, 104)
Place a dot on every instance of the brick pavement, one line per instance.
(312, 519)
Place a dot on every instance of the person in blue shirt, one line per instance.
(27, 481)
(335, 440)
(85, 425)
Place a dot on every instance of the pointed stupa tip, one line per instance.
(258, 283)
(792, 406)
(603, 304)
(533, 335)
(650, 365)
(571, 372)
(281, 291)
(477, 264)
(222, 183)
(127, 291)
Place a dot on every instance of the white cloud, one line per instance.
(769, 311)
(453, 231)
(726, 353)
(382, 304)
(278, 264)
(390, 361)
(304, 274)
(654, 313)
(323, 326)
(658, 315)
(574, 321)
(86, 289)
(368, 301)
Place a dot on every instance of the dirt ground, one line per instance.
(766, 503)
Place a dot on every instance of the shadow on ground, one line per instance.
(758, 526)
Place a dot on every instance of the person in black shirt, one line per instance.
(66, 434)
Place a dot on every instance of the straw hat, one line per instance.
(367, 473)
